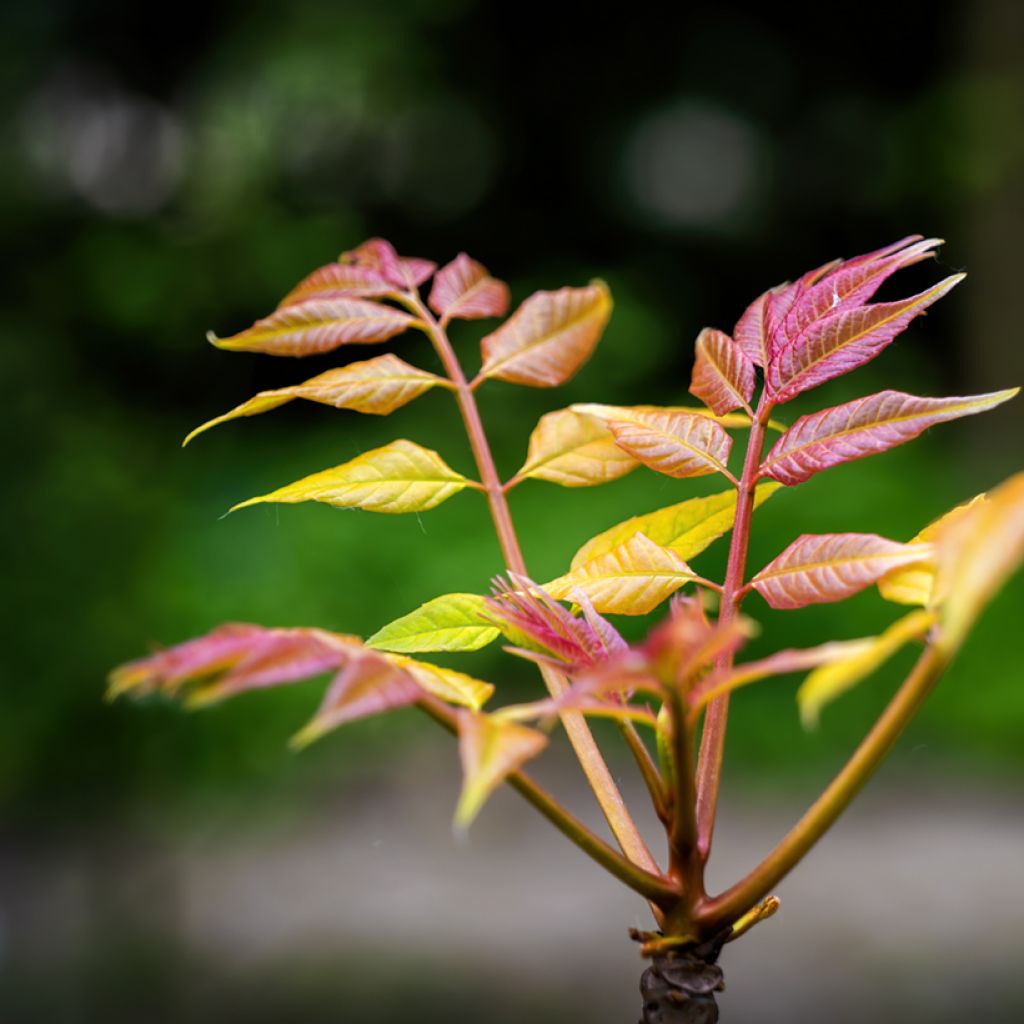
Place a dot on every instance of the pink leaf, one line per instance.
(379, 255)
(465, 290)
(317, 326)
(674, 443)
(337, 281)
(723, 375)
(864, 427)
(490, 750)
(854, 282)
(817, 568)
(845, 340)
(369, 684)
(234, 658)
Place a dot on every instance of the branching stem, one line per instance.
(583, 743)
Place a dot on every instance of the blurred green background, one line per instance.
(168, 177)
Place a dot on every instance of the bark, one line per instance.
(680, 985)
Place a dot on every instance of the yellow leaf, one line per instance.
(913, 584)
(490, 750)
(977, 552)
(687, 528)
(549, 337)
(824, 684)
(631, 579)
(376, 386)
(640, 413)
(574, 450)
(676, 444)
(451, 686)
(400, 477)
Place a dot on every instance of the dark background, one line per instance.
(168, 173)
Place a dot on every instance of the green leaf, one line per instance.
(451, 622)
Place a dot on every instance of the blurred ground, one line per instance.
(371, 911)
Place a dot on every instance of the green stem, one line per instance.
(712, 745)
(652, 887)
(583, 743)
(715, 914)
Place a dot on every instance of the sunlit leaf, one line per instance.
(234, 658)
(463, 289)
(377, 386)
(914, 584)
(445, 683)
(317, 326)
(830, 681)
(338, 281)
(451, 622)
(687, 527)
(631, 579)
(723, 375)
(490, 750)
(400, 477)
(549, 337)
(368, 685)
(845, 340)
(864, 427)
(824, 567)
(574, 450)
(977, 552)
(676, 444)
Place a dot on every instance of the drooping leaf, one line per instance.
(234, 658)
(399, 477)
(317, 326)
(338, 281)
(780, 663)
(463, 289)
(490, 750)
(830, 681)
(977, 552)
(549, 337)
(574, 450)
(864, 427)
(527, 616)
(914, 584)
(377, 254)
(368, 685)
(845, 340)
(723, 375)
(445, 683)
(376, 386)
(824, 567)
(687, 527)
(631, 579)
(451, 622)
